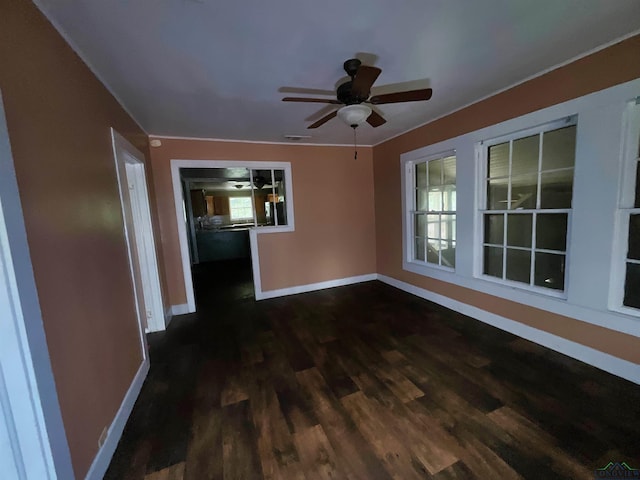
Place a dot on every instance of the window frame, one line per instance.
(410, 199)
(626, 207)
(482, 154)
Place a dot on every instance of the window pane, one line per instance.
(549, 270)
(559, 148)
(497, 195)
(634, 237)
(525, 155)
(494, 229)
(632, 286)
(419, 246)
(449, 197)
(524, 189)
(421, 200)
(420, 225)
(519, 230)
(493, 261)
(551, 231)
(278, 200)
(518, 265)
(556, 189)
(432, 252)
(421, 174)
(435, 172)
(449, 167)
(499, 160)
(435, 199)
(448, 227)
(261, 188)
(448, 254)
(433, 226)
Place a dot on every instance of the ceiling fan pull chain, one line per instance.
(355, 144)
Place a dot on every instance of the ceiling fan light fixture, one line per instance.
(354, 115)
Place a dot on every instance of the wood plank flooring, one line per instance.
(364, 382)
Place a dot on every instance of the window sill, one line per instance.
(426, 265)
(630, 311)
(544, 292)
(273, 229)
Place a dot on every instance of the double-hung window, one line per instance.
(526, 205)
(434, 211)
(630, 213)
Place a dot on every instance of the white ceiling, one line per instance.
(216, 68)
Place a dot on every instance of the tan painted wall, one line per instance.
(611, 66)
(333, 201)
(59, 116)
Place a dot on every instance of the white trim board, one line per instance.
(315, 286)
(616, 366)
(258, 142)
(34, 442)
(103, 457)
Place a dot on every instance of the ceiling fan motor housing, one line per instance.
(345, 96)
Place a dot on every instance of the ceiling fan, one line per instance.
(355, 93)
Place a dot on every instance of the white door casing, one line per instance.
(139, 233)
(33, 442)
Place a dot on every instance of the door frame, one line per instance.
(181, 213)
(141, 247)
(29, 404)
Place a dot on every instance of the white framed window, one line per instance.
(626, 282)
(596, 238)
(433, 212)
(525, 207)
(240, 208)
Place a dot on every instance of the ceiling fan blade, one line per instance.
(399, 97)
(365, 76)
(375, 119)
(311, 100)
(323, 120)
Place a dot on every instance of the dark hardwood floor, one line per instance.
(364, 382)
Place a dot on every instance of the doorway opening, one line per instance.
(221, 206)
(267, 183)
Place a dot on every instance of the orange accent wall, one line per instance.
(333, 201)
(59, 116)
(611, 66)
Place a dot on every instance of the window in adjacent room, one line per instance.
(528, 187)
(433, 227)
(240, 208)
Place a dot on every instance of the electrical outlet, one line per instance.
(103, 437)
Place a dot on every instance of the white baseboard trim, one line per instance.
(315, 286)
(180, 309)
(104, 455)
(603, 361)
